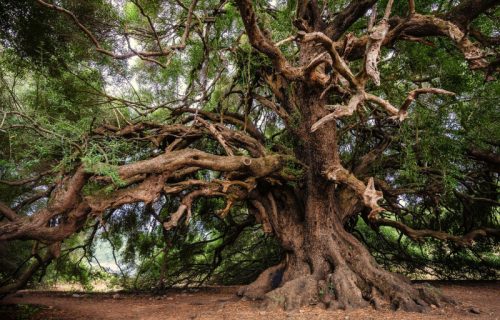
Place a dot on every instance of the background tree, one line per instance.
(283, 113)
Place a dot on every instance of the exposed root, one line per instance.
(433, 296)
(408, 302)
(343, 285)
(267, 280)
(343, 289)
(295, 293)
(413, 298)
(377, 300)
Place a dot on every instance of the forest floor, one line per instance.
(477, 300)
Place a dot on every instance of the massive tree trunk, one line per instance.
(324, 263)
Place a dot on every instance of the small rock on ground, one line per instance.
(474, 310)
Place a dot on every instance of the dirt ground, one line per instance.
(477, 300)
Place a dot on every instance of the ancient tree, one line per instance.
(285, 112)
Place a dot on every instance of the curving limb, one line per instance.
(148, 177)
(418, 235)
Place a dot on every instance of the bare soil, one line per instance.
(476, 300)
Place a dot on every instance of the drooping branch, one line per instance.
(146, 191)
(371, 196)
(65, 201)
(186, 204)
(417, 235)
(21, 282)
(232, 190)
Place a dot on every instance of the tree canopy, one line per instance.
(212, 140)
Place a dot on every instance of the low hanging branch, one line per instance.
(186, 204)
(66, 200)
(417, 235)
(371, 196)
(22, 281)
(232, 190)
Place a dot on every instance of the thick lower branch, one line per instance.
(465, 240)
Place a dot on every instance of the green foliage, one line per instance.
(208, 250)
